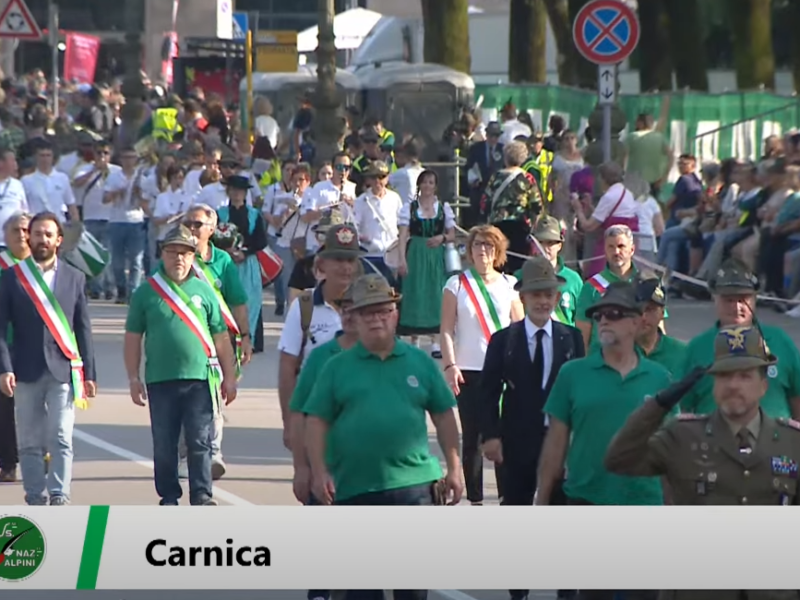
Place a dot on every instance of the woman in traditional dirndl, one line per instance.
(425, 225)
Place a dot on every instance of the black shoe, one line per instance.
(279, 310)
(120, 300)
(168, 503)
(109, 295)
(94, 296)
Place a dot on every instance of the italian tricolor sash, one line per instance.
(182, 306)
(599, 283)
(558, 314)
(7, 260)
(204, 273)
(56, 322)
(484, 306)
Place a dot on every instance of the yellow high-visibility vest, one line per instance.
(165, 123)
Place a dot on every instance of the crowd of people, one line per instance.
(547, 359)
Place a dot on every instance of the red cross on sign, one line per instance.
(606, 31)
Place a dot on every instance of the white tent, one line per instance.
(350, 27)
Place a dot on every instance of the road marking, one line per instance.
(148, 464)
(454, 595)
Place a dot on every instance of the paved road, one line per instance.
(113, 444)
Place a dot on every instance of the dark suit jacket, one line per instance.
(34, 349)
(477, 155)
(508, 363)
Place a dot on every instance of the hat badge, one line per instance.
(344, 236)
(735, 338)
(659, 293)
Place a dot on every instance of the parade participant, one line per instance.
(425, 226)
(189, 367)
(275, 209)
(404, 180)
(376, 213)
(379, 453)
(667, 351)
(734, 289)
(51, 369)
(748, 457)
(337, 194)
(619, 267)
(48, 190)
(170, 205)
(217, 268)
(215, 194)
(550, 236)
(82, 156)
(475, 305)
(590, 400)
(304, 276)
(15, 232)
(12, 192)
(314, 318)
(540, 164)
(372, 153)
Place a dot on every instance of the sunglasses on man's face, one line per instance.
(611, 314)
(342, 168)
(195, 224)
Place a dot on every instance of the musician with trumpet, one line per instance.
(126, 227)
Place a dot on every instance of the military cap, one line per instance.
(619, 294)
(369, 290)
(238, 182)
(740, 348)
(548, 229)
(341, 241)
(370, 135)
(650, 288)
(378, 169)
(326, 221)
(180, 236)
(494, 128)
(538, 274)
(733, 278)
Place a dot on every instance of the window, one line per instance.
(92, 15)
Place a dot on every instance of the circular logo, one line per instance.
(22, 548)
(412, 381)
(772, 371)
(197, 301)
(565, 299)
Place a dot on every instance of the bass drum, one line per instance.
(271, 265)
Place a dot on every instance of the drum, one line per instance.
(271, 265)
(88, 256)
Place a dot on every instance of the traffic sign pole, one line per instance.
(606, 96)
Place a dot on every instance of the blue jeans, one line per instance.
(127, 251)
(281, 283)
(45, 416)
(103, 282)
(670, 245)
(176, 404)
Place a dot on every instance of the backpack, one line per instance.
(306, 300)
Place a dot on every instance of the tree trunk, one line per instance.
(447, 33)
(586, 70)
(689, 53)
(328, 125)
(794, 11)
(527, 42)
(132, 113)
(567, 60)
(655, 60)
(751, 26)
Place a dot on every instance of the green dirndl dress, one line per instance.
(421, 306)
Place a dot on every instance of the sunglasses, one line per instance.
(195, 224)
(611, 314)
(342, 168)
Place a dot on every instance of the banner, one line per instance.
(80, 57)
(394, 547)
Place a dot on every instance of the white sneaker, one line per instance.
(217, 469)
(795, 312)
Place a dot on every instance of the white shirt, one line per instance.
(627, 209)
(125, 209)
(48, 193)
(547, 340)
(271, 207)
(266, 126)
(470, 343)
(149, 186)
(216, 196)
(68, 163)
(191, 183)
(91, 198)
(376, 219)
(12, 199)
(404, 216)
(512, 129)
(49, 276)
(294, 227)
(322, 196)
(169, 203)
(404, 181)
(325, 322)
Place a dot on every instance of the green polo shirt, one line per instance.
(670, 353)
(318, 358)
(569, 291)
(594, 401)
(172, 352)
(784, 377)
(227, 276)
(376, 410)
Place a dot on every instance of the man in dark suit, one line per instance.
(50, 368)
(524, 358)
(488, 156)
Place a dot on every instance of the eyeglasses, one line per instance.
(342, 168)
(485, 245)
(381, 313)
(611, 314)
(173, 253)
(195, 224)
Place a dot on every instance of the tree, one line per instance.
(446, 39)
(328, 125)
(133, 88)
(560, 23)
(687, 43)
(586, 70)
(527, 42)
(794, 11)
(751, 26)
(655, 60)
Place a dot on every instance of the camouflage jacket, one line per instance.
(517, 200)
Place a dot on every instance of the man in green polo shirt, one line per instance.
(667, 351)
(591, 399)
(184, 336)
(366, 431)
(734, 289)
(550, 237)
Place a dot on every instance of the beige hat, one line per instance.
(370, 290)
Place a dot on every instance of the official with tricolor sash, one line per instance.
(50, 370)
(189, 368)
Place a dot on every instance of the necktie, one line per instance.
(743, 437)
(538, 359)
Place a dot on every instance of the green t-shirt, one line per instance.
(594, 401)
(568, 302)
(318, 358)
(646, 154)
(172, 352)
(784, 377)
(670, 353)
(227, 277)
(376, 410)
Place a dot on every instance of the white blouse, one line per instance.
(404, 216)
